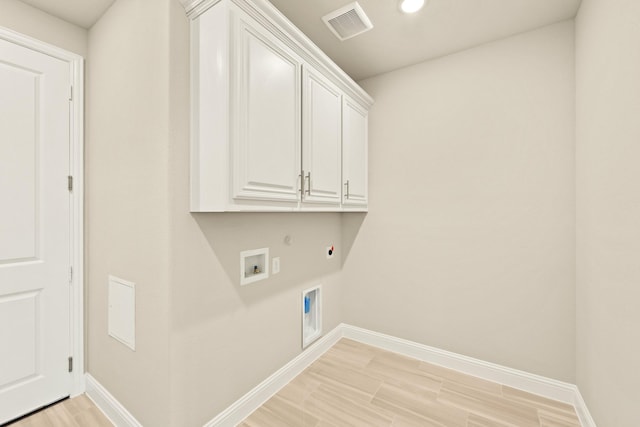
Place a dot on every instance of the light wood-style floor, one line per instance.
(357, 385)
(77, 412)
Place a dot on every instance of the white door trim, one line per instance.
(76, 165)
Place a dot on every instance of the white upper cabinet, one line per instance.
(275, 125)
(355, 153)
(266, 150)
(321, 140)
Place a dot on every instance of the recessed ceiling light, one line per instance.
(411, 6)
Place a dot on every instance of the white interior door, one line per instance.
(34, 230)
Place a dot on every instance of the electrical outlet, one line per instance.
(330, 251)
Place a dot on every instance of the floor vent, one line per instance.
(348, 21)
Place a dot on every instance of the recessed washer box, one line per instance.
(311, 315)
(254, 265)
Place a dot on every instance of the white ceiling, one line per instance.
(83, 13)
(396, 40)
(440, 28)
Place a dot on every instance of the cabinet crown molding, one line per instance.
(289, 34)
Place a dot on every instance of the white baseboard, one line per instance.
(531, 383)
(108, 404)
(521, 380)
(536, 384)
(251, 401)
(583, 411)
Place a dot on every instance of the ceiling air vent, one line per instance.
(348, 21)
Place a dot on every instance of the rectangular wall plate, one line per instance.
(122, 311)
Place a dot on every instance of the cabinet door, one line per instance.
(354, 154)
(321, 140)
(266, 115)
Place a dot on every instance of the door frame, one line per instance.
(76, 220)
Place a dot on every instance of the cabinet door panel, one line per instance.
(321, 149)
(267, 116)
(354, 152)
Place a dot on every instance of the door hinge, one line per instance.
(70, 93)
(70, 183)
(71, 274)
(70, 364)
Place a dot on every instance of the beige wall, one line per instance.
(202, 340)
(225, 339)
(469, 240)
(127, 200)
(32, 22)
(608, 182)
(484, 176)
(468, 246)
